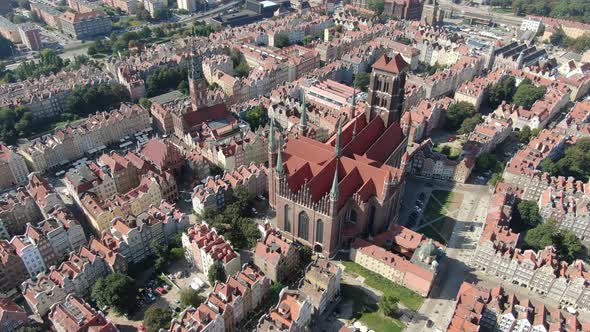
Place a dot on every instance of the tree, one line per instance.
(216, 273)
(145, 102)
(541, 236)
(157, 318)
(527, 94)
(304, 256)
(145, 33)
(115, 290)
(558, 38)
(487, 162)
(526, 216)
(389, 305)
(190, 297)
(501, 91)
(495, 179)
(281, 40)
(84, 100)
(457, 113)
(158, 32)
(165, 79)
(568, 245)
(183, 87)
(469, 124)
(361, 81)
(307, 40)
(242, 70)
(256, 117)
(6, 47)
(377, 6)
(275, 290)
(524, 135)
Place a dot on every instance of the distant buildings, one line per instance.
(85, 25)
(29, 35)
(69, 143)
(46, 96)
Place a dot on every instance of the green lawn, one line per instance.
(430, 232)
(376, 281)
(440, 204)
(366, 310)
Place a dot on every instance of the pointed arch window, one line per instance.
(319, 231)
(303, 226)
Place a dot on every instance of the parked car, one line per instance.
(161, 291)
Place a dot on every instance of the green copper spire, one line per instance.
(280, 157)
(303, 113)
(334, 194)
(271, 136)
(338, 134)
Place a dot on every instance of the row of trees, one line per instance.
(49, 62)
(539, 234)
(578, 10)
(580, 44)
(235, 221)
(204, 30)
(165, 79)
(462, 117)
(241, 68)
(19, 122)
(123, 42)
(575, 161)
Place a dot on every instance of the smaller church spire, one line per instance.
(280, 157)
(303, 120)
(334, 194)
(338, 137)
(271, 136)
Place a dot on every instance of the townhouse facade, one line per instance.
(277, 258)
(70, 143)
(13, 169)
(203, 247)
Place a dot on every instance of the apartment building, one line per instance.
(214, 192)
(203, 319)
(402, 256)
(13, 169)
(30, 255)
(75, 315)
(203, 247)
(321, 284)
(479, 308)
(46, 96)
(150, 192)
(42, 294)
(12, 316)
(85, 25)
(277, 258)
(12, 269)
(17, 209)
(70, 143)
(292, 313)
(47, 199)
(29, 35)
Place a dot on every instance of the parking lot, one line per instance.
(150, 297)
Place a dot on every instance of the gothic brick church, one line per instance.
(327, 194)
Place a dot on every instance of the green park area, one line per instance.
(438, 218)
(406, 297)
(366, 310)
